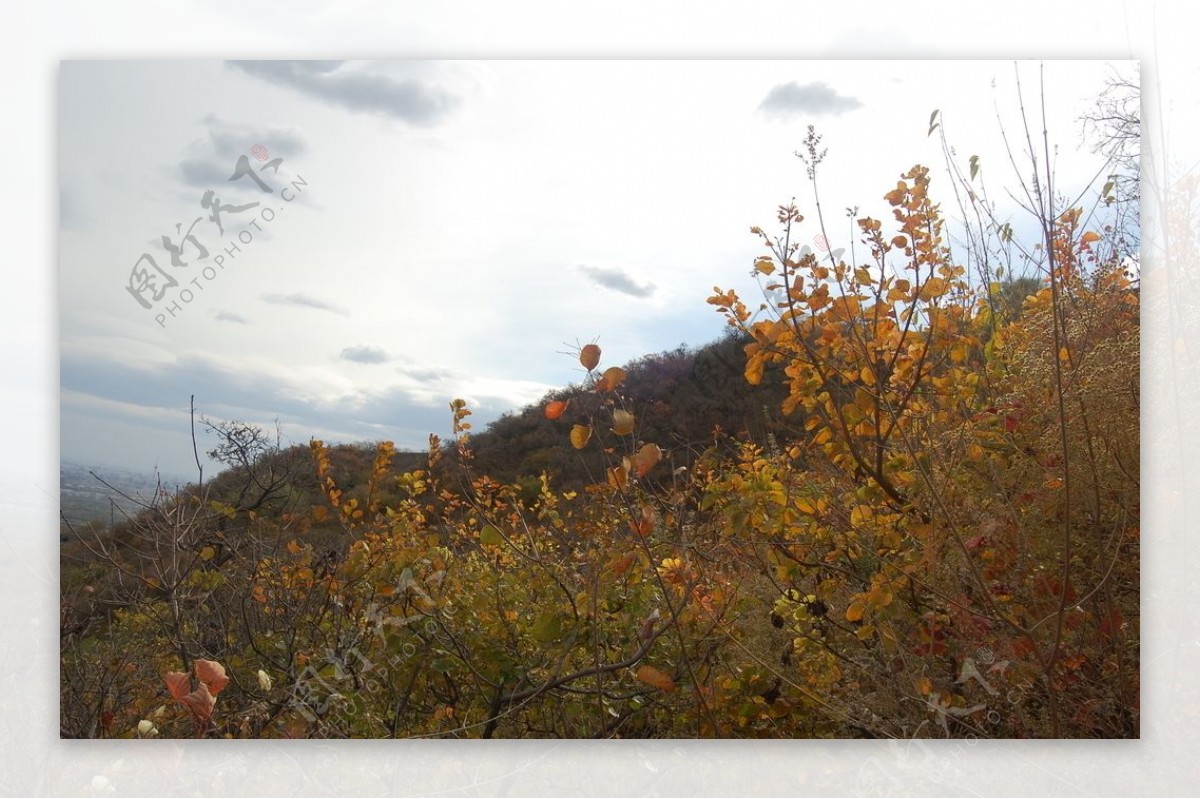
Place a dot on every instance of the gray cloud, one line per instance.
(425, 374)
(205, 172)
(229, 316)
(330, 81)
(816, 98)
(303, 301)
(230, 140)
(617, 280)
(119, 401)
(365, 354)
(210, 162)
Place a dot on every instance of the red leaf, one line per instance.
(179, 684)
(212, 674)
(201, 702)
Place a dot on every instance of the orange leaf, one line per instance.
(580, 435)
(179, 684)
(589, 356)
(764, 265)
(646, 458)
(613, 376)
(622, 565)
(212, 674)
(655, 678)
(1090, 236)
(555, 409)
(855, 610)
(618, 476)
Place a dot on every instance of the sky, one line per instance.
(391, 235)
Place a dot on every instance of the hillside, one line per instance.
(686, 399)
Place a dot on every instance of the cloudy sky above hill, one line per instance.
(347, 246)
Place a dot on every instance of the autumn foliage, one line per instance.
(940, 540)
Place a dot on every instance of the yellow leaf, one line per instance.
(754, 370)
(622, 422)
(618, 476)
(207, 553)
(589, 356)
(655, 678)
(580, 435)
(933, 288)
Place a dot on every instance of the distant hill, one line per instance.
(91, 493)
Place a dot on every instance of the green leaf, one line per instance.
(548, 627)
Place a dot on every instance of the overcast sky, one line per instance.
(436, 230)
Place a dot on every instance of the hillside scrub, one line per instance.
(932, 530)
